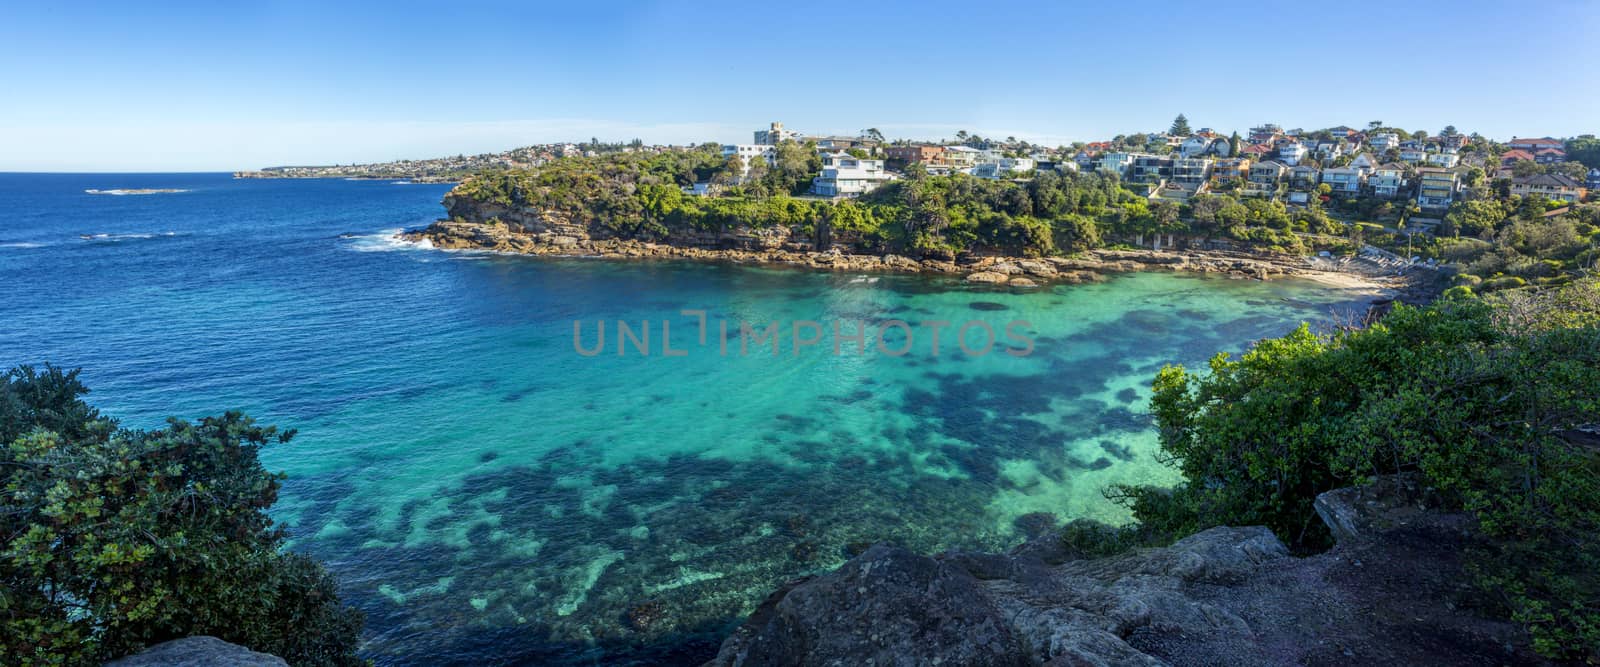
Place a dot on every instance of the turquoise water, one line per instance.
(489, 495)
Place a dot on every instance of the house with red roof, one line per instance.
(1509, 160)
(1534, 145)
(1550, 155)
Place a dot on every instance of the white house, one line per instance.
(1383, 141)
(748, 152)
(844, 175)
(1447, 158)
(1365, 162)
(1291, 153)
(1198, 145)
(1413, 154)
(994, 170)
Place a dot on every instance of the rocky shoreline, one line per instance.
(1393, 591)
(500, 236)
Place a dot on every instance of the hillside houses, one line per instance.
(1292, 165)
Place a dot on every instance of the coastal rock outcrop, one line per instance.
(523, 232)
(200, 651)
(491, 225)
(988, 278)
(1394, 595)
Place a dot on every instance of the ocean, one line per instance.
(489, 492)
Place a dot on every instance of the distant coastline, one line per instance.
(414, 178)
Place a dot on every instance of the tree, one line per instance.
(1586, 150)
(118, 539)
(961, 136)
(1374, 125)
(1449, 131)
(873, 134)
(1180, 127)
(1234, 145)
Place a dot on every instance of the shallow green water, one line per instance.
(535, 486)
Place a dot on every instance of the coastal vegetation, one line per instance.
(116, 539)
(1492, 239)
(641, 196)
(1493, 402)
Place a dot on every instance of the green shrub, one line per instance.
(118, 539)
(1503, 282)
(1087, 538)
(1472, 396)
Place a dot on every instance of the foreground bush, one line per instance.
(116, 539)
(1489, 403)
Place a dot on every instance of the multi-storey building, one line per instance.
(774, 135)
(925, 153)
(1436, 187)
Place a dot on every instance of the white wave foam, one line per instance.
(135, 236)
(136, 191)
(388, 240)
(21, 244)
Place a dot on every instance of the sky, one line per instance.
(221, 86)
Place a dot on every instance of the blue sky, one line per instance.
(223, 86)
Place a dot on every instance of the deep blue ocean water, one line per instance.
(490, 496)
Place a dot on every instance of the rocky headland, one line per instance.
(1392, 592)
(481, 225)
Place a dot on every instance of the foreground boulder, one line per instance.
(1234, 596)
(199, 651)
